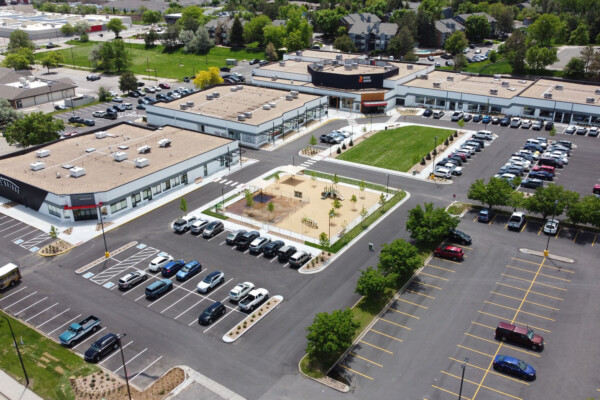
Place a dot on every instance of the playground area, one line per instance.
(301, 205)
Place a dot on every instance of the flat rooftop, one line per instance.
(308, 84)
(571, 92)
(471, 84)
(230, 104)
(102, 173)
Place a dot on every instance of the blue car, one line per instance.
(487, 119)
(477, 118)
(188, 270)
(543, 175)
(533, 147)
(158, 288)
(514, 366)
(172, 268)
(485, 215)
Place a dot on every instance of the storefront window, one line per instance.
(347, 103)
(147, 194)
(53, 210)
(156, 189)
(135, 198)
(118, 206)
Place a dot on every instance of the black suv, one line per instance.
(102, 347)
(457, 236)
(505, 121)
(271, 249)
(212, 312)
(243, 242)
(284, 253)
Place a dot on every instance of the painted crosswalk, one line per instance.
(227, 182)
(309, 162)
(35, 241)
(111, 272)
(352, 122)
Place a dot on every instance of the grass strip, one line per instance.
(266, 178)
(48, 375)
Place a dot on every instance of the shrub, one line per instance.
(434, 152)
(344, 146)
(339, 151)
(428, 156)
(423, 161)
(451, 138)
(446, 142)
(351, 143)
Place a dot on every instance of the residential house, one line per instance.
(462, 18)
(24, 90)
(368, 32)
(219, 29)
(444, 28)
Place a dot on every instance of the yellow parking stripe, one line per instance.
(475, 220)
(377, 347)
(492, 219)
(366, 359)
(414, 304)
(559, 269)
(452, 393)
(356, 372)
(593, 246)
(557, 232)
(525, 261)
(532, 282)
(403, 313)
(541, 294)
(465, 247)
(475, 351)
(420, 294)
(523, 227)
(450, 261)
(433, 276)
(516, 309)
(485, 326)
(386, 335)
(496, 343)
(395, 323)
(575, 238)
(537, 328)
(533, 272)
(540, 231)
(495, 373)
(530, 302)
(427, 284)
(443, 269)
(485, 387)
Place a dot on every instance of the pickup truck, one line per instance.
(520, 335)
(253, 299)
(79, 330)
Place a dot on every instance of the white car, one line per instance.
(198, 226)
(112, 93)
(131, 279)
(176, 95)
(551, 227)
(454, 169)
(442, 173)
(534, 154)
(240, 291)
(571, 129)
(253, 299)
(520, 162)
(157, 88)
(526, 124)
(515, 122)
(560, 156)
(157, 263)
(211, 281)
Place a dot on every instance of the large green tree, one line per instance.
(456, 43)
(151, 17)
(275, 35)
(32, 129)
(116, 26)
(7, 113)
(539, 58)
(328, 21)
(344, 44)
(236, 36)
(330, 334)
(575, 68)
(544, 200)
(402, 43)
(585, 211)
(399, 259)
(371, 283)
(515, 49)
(52, 60)
(429, 225)
(477, 28)
(580, 36)
(19, 39)
(253, 30)
(497, 192)
(192, 17)
(127, 82)
(67, 29)
(20, 58)
(544, 28)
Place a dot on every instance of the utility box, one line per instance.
(231, 61)
(120, 156)
(76, 172)
(36, 166)
(141, 162)
(42, 153)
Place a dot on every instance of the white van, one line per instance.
(9, 275)
(442, 173)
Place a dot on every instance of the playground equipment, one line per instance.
(331, 192)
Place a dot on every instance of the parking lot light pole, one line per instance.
(17, 347)
(548, 241)
(464, 367)
(434, 151)
(124, 366)
(106, 253)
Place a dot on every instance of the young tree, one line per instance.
(34, 128)
(337, 204)
(271, 209)
(332, 215)
(382, 200)
(236, 36)
(399, 259)
(575, 68)
(19, 39)
(580, 36)
(53, 59)
(81, 27)
(249, 199)
(428, 225)
(371, 283)
(402, 43)
(151, 37)
(477, 28)
(202, 41)
(53, 232)
(353, 200)
(344, 44)
(313, 140)
(170, 37)
(323, 240)
(271, 53)
(151, 17)
(335, 179)
(121, 57)
(7, 113)
(544, 200)
(67, 29)
(361, 187)
(18, 59)
(330, 334)
(183, 205)
(276, 176)
(456, 43)
(127, 82)
(515, 49)
(363, 214)
(115, 25)
(497, 192)
(103, 94)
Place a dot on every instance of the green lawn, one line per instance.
(398, 149)
(168, 64)
(48, 378)
(499, 67)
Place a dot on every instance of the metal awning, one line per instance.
(374, 103)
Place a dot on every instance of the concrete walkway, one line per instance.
(10, 389)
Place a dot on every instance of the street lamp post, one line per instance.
(17, 347)
(464, 367)
(106, 253)
(124, 366)
(50, 92)
(548, 241)
(434, 152)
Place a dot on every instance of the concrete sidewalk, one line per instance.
(10, 389)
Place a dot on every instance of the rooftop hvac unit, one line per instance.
(22, 79)
(42, 153)
(409, 67)
(31, 78)
(289, 97)
(240, 87)
(76, 172)
(183, 106)
(90, 150)
(241, 117)
(388, 67)
(120, 156)
(123, 147)
(558, 87)
(339, 57)
(523, 82)
(141, 162)
(282, 63)
(348, 67)
(101, 134)
(209, 96)
(597, 91)
(590, 100)
(294, 94)
(144, 149)
(233, 89)
(505, 83)
(423, 76)
(450, 78)
(436, 84)
(190, 104)
(36, 166)
(216, 95)
(274, 78)
(354, 65)
(164, 143)
(266, 107)
(248, 114)
(493, 91)
(272, 104)
(299, 53)
(497, 76)
(547, 95)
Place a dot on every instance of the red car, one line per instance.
(451, 252)
(463, 156)
(546, 168)
(164, 85)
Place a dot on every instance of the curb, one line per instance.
(227, 339)
(322, 381)
(99, 260)
(550, 256)
(57, 254)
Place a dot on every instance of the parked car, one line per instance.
(131, 279)
(212, 313)
(477, 118)
(79, 330)
(438, 114)
(537, 125)
(451, 252)
(158, 262)
(486, 120)
(60, 107)
(514, 366)
(443, 173)
(532, 183)
(102, 347)
(551, 227)
(198, 226)
(495, 120)
(244, 241)
(593, 131)
(225, 69)
(117, 99)
(299, 258)
(92, 78)
(526, 124)
(184, 223)
(457, 116)
(456, 236)
(262, 63)
(140, 107)
(467, 117)
(213, 229)
(253, 299)
(133, 94)
(233, 236)
(89, 122)
(271, 249)
(571, 129)
(188, 270)
(516, 334)
(428, 112)
(581, 131)
(75, 119)
(549, 125)
(543, 175)
(453, 168)
(258, 244)
(485, 215)
(164, 86)
(211, 281)
(284, 253)
(515, 122)
(254, 61)
(516, 221)
(98, 114)
(240, 291)
(158, 288)
(171, 268)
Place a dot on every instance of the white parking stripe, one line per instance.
(41, 312)
(227, 183)
(116, 352)
(222, 243)
(12, 226)
(235, 184)
(56, 316)
(260, 255)
(286, 265)
(67, 324)
(216, 322)
(175, 302)
(163, 296)
(149, 365)
(27, 308)
(131, 359)
(189, 308)
(4, 298)
(89, 337)
(274, 258)
(8, 221)
(18, 301)
(12, 233)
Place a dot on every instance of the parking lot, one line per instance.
(19, 236)
(86, 113)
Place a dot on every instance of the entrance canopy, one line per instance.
(374, 103)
